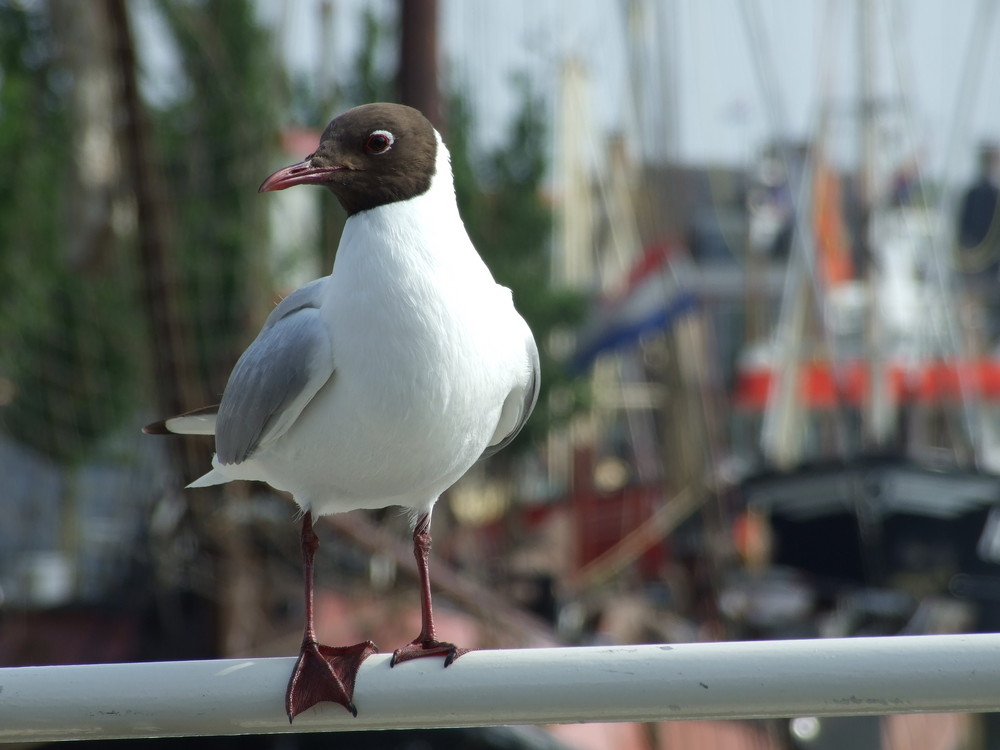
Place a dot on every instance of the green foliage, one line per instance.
(66, 374)
(71, 334)
(372, 81)
(215, 140)
(372, 78)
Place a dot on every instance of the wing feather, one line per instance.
(520, 402)
(277, 376)
(197, 422)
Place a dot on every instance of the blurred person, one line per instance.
(979, 242)
(979, 206)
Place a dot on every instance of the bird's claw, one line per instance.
(325, 673)
(419, 649)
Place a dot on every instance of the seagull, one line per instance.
(384, 382)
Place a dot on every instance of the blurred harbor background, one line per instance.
(757, 242)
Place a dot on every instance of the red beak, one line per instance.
(303, 173)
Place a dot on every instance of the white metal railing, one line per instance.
(833, 677)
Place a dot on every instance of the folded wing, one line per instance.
(520, 402)
(274, 380)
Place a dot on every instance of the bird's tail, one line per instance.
(197, 422)
(207, 480)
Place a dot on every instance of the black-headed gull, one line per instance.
(382, 383)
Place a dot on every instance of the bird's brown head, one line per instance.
(369, 156)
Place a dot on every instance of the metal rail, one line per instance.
(833, 677)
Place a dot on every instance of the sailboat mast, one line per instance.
(878, 416)
(866, 71)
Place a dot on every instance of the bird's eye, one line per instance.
(379, 142)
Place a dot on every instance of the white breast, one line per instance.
(426, 348)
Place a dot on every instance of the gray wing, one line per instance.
(277, 376)
(519, 404)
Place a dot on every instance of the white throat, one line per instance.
(424, 234)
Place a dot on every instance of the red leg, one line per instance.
(322, 673)
(425, 644)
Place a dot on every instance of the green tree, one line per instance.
(216, 139)
(67, 369)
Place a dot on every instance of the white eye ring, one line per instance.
(375, 140)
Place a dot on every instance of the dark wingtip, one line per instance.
(157, 428)
(160, 427)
